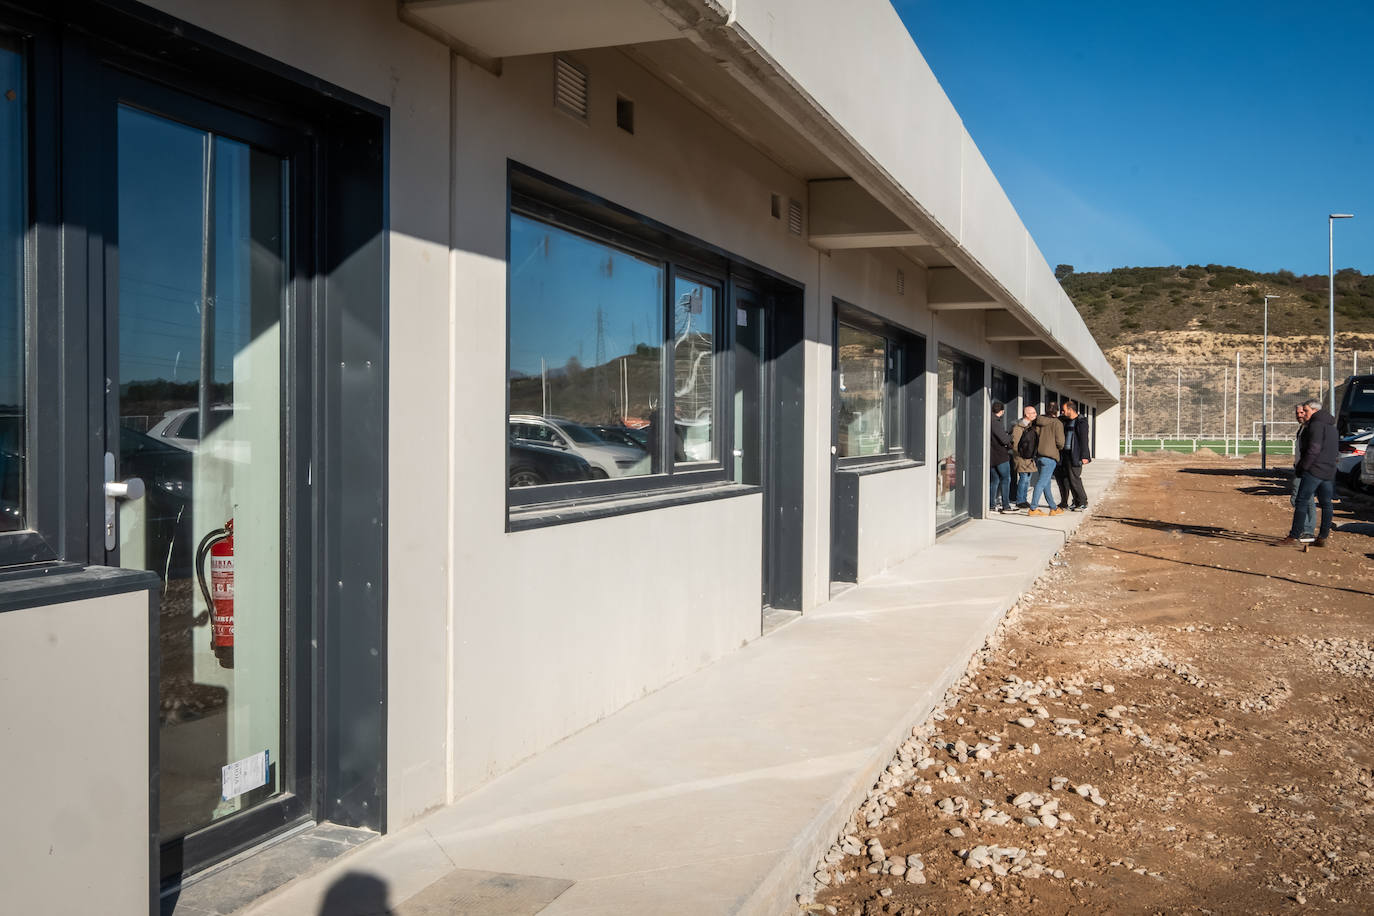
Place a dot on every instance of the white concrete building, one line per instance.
(439, 272)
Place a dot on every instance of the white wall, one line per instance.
(557, 627)
(74, 716)
(896, 520)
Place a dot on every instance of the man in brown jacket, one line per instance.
(1049, 441)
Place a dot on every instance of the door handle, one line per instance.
(125, 489)
(132, 488)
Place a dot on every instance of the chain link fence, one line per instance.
(1220, 407)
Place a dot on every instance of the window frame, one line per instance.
(534, 196)
(904, 382)
(55, 522)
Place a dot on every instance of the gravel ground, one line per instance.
(1178, 719)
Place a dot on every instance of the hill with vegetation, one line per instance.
(1125, 305)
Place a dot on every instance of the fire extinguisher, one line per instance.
(218, 546)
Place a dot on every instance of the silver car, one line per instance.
(608, 459)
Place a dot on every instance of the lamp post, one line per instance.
(1331, 287)
(1264, 392)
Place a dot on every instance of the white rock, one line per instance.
(823, 878)
(956, 831)
(1049, 820)
(885, 892)
(1026, 722)
(1084, 790)
(916, 876)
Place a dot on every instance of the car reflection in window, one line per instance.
(607, 459)
(533, 465)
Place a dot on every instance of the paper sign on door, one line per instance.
(244, 775)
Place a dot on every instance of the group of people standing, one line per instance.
(1056, 445)
(1314, 473)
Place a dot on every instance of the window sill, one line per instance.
(58, 584)
(544, 515)
(878, 467)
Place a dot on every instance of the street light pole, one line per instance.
(1264, 392)
(1331, 288)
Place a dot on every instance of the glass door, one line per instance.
(750, 409)
(953, 442)
(196, 345)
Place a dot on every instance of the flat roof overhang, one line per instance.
(887, 161)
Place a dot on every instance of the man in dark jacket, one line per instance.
(1318, 449)
(1077, 451)
(999, 459)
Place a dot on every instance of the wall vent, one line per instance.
(901, 283)
(794, 217)
(625, 114)
(570, 93)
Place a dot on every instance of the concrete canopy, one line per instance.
(511, 28)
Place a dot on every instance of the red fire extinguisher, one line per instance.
(218, 546)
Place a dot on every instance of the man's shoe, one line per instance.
(1285, 542)
(1306, 539)
(1078, 508)
(1056, 512)
(1319, 542)
(1023, 505)
(1035, 512)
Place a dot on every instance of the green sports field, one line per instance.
(1220, 446)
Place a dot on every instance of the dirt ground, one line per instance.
(1177, 720)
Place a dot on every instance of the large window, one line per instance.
(879, 391)
(13, 230)
(867, 417)
(613, 378)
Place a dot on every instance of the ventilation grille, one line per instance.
(794, 217)
(570, 88)
(901, 283)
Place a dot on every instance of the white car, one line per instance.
(608, 459)
(1367, 469)
(182, 427)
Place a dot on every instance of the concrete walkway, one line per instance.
(718, 793)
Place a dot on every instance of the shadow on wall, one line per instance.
(356, 894)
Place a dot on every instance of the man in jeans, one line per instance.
(1023, 461)
(1319, 445)
(999, 459)
(1051, 440)
(1077, 452)
(1309, 517)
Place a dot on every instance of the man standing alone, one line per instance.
(1077, 451)
(1318, 447)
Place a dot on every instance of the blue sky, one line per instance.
(1131, 134)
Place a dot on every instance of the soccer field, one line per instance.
(1220, 446)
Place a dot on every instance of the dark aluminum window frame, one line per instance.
(55, 528)
(67, 47)
(906, 381)
(540, 197)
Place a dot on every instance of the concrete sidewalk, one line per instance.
(718, 793)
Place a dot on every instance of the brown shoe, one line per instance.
(1035, 512)
(1319, 542)
(1285, 542)
(1056, 512)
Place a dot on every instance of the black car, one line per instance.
(1355, 400)
(166, 474)
(622, 435)
(534, 465)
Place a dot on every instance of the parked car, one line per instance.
(1351, 458)
(535, 465)
(1367, 469)
(165, 470)
(606, 458)
(181, 427)
(623, 435)
(1355, 400)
